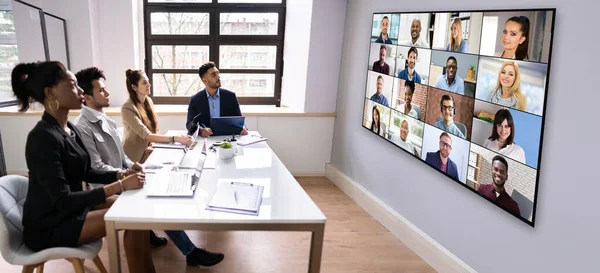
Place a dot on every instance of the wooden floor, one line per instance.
(354, 242)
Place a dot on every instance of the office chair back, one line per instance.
(525, 205)
(2, 161)
(13, 191)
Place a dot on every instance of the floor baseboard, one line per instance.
(428, 249)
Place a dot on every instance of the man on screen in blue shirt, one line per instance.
(409, 73)
(379, 97)
(450, 81)
(212, 102)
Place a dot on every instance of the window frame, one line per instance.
(214, 40)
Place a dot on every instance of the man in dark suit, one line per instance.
(211, 102)
(441, 158)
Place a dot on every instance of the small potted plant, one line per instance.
(471, 73)
(226, 151)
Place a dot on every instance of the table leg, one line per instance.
(112, 238)
(316, 249)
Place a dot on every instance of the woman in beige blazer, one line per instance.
(140, 121)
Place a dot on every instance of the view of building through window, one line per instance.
(9, 56)
(245, 47)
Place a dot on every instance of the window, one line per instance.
(243, 38)
(9, 56)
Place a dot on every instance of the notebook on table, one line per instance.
(237, 197)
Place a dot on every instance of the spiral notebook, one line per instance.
(237, 197)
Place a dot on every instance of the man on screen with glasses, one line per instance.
(441, 159)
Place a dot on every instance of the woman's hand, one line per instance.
(187, 140)
(134, 181)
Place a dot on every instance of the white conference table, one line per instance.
(285, 205)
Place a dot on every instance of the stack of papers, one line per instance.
(237, 197)
(250, 139)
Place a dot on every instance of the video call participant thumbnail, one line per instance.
(457, 44)
(495, 190)
(451, 81)
(378, 97)
(448, 111)
(384, 36)
(407, 107)
(441, 159)
(507, 91)
(515, 38)
(409, 73)
(381, 66)
(415, 34)
(502, 138)
(377, 126)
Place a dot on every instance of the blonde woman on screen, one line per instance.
(377, 126)
(456, 44)
(507, 91)
(503, 135)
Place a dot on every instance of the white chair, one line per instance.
(13, 191)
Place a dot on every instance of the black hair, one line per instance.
(410, 85)
(29, 80)
(522, 48)
(501, 159)
(385, 17)
(204, 68)
(452, 58)
(447, 97)
(85, 78)
(412, 49)
(501, 115)
(383, 47)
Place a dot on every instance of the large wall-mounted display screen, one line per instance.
(465, 92)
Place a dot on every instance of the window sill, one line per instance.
(181, 110)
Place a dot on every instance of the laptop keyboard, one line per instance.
(177, 184)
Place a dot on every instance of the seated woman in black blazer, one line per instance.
(57, 212)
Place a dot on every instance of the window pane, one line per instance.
(247, 57)
(179, 23)
(179, 1)
(179, 57)
(249, 23)
(249, 85)
(250, 1)
(171, 85)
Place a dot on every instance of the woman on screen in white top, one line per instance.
(407, 107)
(456, 44)
(377, 126)
(502, 138)
(507, 91)
(515, 38)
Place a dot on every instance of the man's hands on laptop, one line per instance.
(244, 131)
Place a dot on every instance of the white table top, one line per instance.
(284, 200)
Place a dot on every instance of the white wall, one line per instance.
(303, 144)
(118, 51)
(295, 53)
(327, 33)
(487, 238)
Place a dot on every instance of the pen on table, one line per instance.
(235, 194)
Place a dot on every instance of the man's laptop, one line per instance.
(173, 184)
(223, 126)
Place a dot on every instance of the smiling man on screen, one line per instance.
(212, 102)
